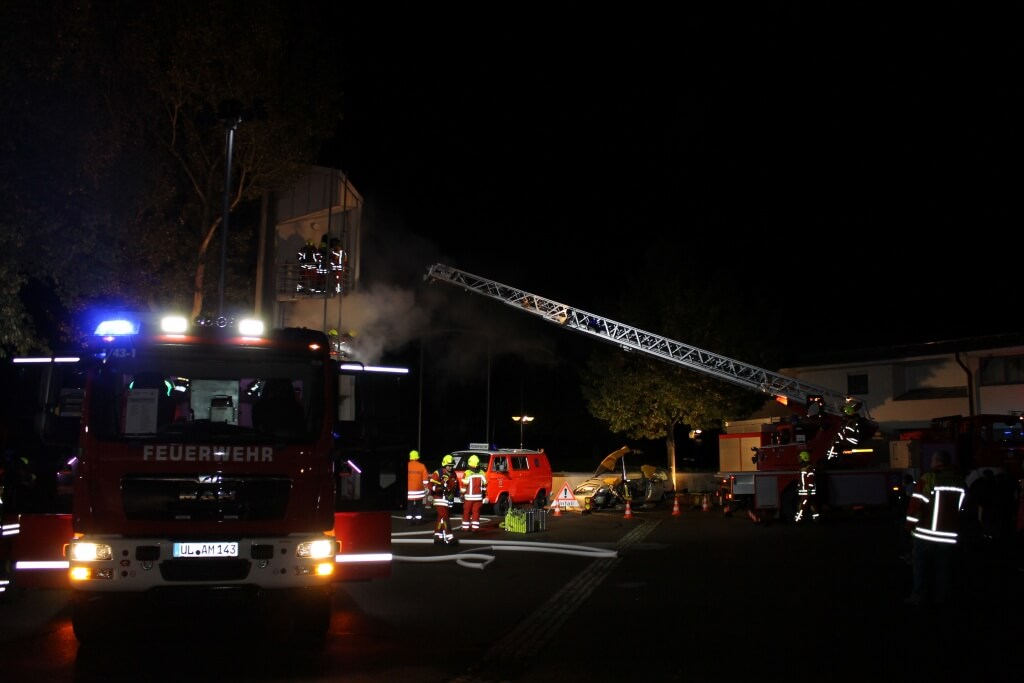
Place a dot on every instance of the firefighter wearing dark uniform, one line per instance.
(322, 259)
(474, 487)
(337, 264)
(443, 486)
(933, 519)
(307, 266)
(808, 490)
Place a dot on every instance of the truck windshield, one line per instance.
(1008, 431)
(183, 393)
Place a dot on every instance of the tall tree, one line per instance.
(55, 208)
(185, 77)
(646, 398)
(112, 167)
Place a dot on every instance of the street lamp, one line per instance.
(522, 420)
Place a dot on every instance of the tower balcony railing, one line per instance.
(295, 282)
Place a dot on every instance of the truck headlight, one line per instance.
(317, 550)
(85, 551)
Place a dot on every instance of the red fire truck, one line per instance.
(987, 448)
(852, 469)
(204, 469)
(978, 443)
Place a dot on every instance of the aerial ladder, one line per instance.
(634, 339)
(831, 426)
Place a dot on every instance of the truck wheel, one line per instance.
(541, 501)
(502, 505)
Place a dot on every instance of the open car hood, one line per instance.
(611, 461)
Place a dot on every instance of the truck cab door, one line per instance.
(498, 476)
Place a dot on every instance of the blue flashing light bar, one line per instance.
(176, 325)
(117, 328)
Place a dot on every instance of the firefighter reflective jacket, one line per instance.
(934, 511)
(443, 485)
(419, 478)
(474, 484)
(808, 487)
(307, 256)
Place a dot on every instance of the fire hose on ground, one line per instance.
(480, 557)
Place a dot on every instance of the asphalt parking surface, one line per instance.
(655, 596)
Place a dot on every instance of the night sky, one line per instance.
(854, 169)
(862, 159)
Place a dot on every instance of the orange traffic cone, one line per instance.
(629, 511)
(706, 504)
(675, 506)
(557, 508)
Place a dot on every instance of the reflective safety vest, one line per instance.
(419, 478)
(307, 257)
(474, 485)
(444, 486)
(807, 485)
(934, 511)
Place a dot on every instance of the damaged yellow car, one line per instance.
(615, 481)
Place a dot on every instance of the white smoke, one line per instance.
(377, 320)
(392, 305)
(380, 319)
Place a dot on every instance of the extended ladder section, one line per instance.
(632, 338)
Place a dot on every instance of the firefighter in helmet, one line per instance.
(337, 264)
(934, 519)
(307, 266)
(418, 484)
(856, 428)
(322, 261)
(852, 407)
(808, 490)
(443, 486)
(334, 342)
(474, 488)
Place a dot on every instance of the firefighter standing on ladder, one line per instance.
(443, 486)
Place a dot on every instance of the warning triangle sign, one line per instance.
(565, 498)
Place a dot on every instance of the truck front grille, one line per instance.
(204, 497)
